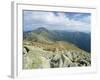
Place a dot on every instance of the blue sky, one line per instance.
(56, 20)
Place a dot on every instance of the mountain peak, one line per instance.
(41, 29)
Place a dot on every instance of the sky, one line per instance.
(71, 21)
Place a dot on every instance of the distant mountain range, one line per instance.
(43, 35)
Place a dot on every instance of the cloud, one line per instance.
(56, 20)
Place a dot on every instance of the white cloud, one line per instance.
(59, 21)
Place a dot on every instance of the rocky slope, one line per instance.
(44, 48)
(41, 56)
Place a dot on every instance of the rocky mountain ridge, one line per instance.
(44, 48)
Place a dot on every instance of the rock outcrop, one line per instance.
(35, 57)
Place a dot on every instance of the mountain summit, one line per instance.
(41, 29)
